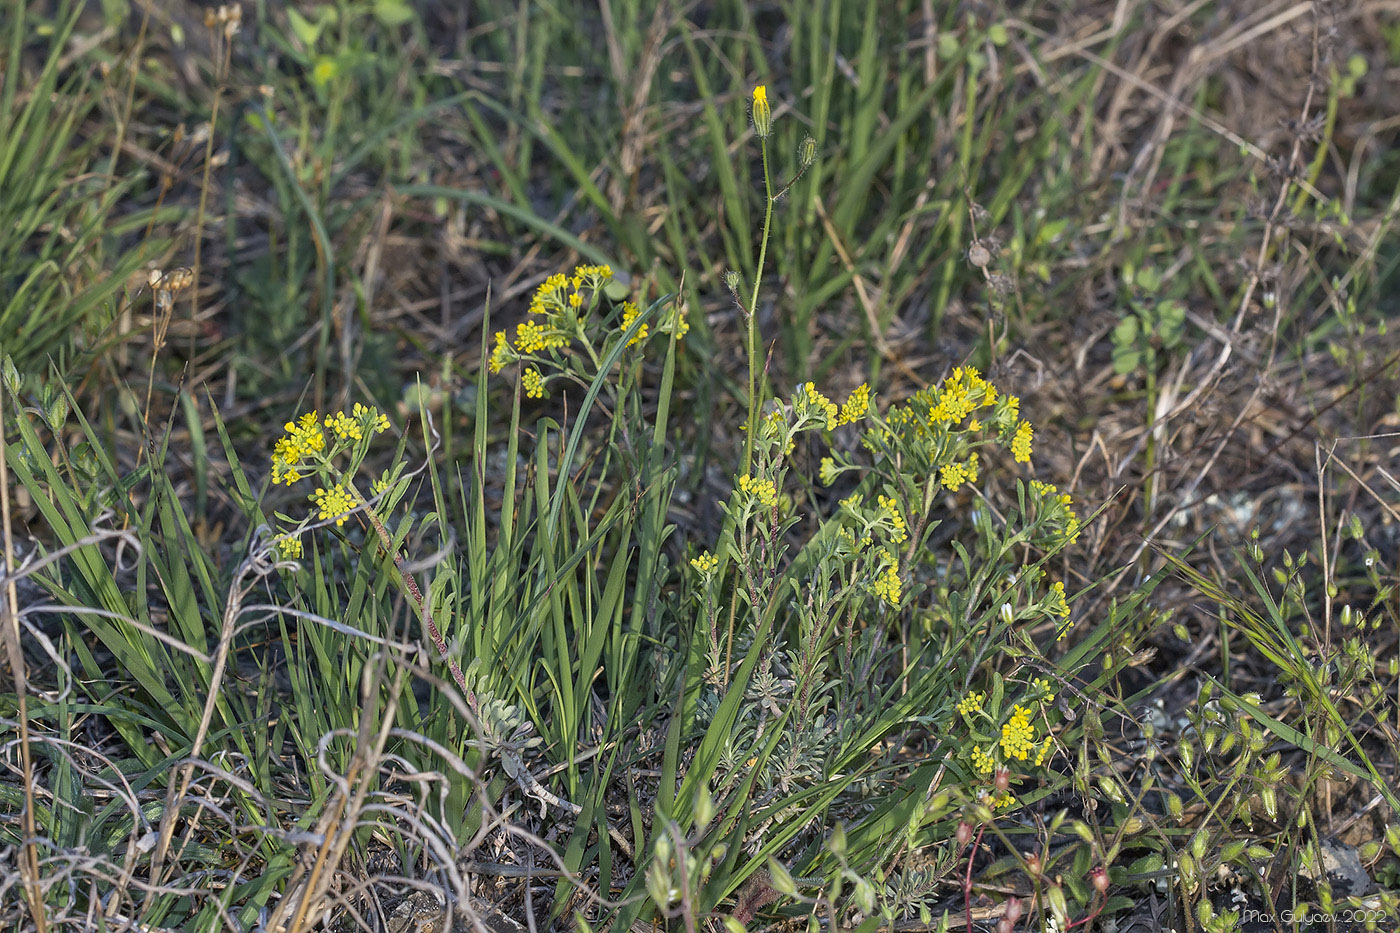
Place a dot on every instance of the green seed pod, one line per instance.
(807, 152)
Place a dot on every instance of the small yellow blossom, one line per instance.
(1057, 602)
(335, 503)
(345, 427)
(529, 337)
(1018, 734)
(705, 564)
(826, 471)
(290, 548)
(629, 314)
(891, 510)
(981, 761)
(820, 405)
(501, 353)
(1021, 443)
(971, 704)
(887, 585)
(856, 405)
(762, 112)
(533, 383)
(1043, 751)
(953, 475)
(762, 490)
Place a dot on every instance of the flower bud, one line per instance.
(1033, 866)
(731, 280)
(1014, 910)
(1002, 780)
(762, 112)
(964, 833)
(807, 152)
(1099, 879)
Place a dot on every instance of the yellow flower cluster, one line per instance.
(533, 383)
(826, 471)
(899, 531)
(289, 548)
(762, 490)
(1058, 509)
(302, 440)
(1018, 734)
(1043, 751)
(705, 564)
(531, 337)
(353, 426)
(954, 474)
(971, 704)
(335, 503)
(1021, 443)
(1058, 604)
(962, 393)
(1045, 689)
(629, 314)
(856, 406)
(820, 405)
(1002, 801)
(887, 585)
(501, 353)
(981, 761)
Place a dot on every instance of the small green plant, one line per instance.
(1153, 327)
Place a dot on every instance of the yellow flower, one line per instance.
(1042, 752)
(981, 761)
(762, 490)
(1057, 602)
(856, 406)
(629, 314)
(1018, 734)
(891, 510)
(1021, 443)
(501, 353)
(303, 439)
(533, 383)
(529, 337)
(289, 548)
(826, 472)
(762, 112)
(954, 475)
(335, 503)
(705, 564)
(971, 704)
(887, 585)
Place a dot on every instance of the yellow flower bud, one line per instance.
(762, 112)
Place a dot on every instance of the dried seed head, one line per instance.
(979, 255)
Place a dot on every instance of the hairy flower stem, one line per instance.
(755, 403)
